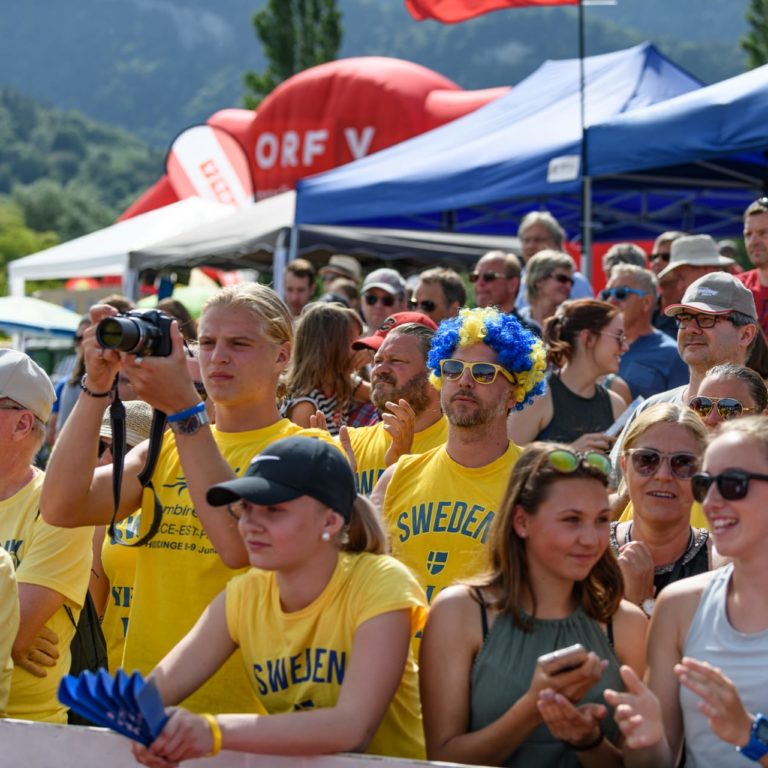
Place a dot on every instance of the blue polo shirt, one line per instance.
(653, 365)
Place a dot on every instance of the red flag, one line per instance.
(452, 11)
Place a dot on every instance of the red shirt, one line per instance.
(752, 280)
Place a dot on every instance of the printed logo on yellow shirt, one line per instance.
(436, 561)
(12, 547)
(449, 516)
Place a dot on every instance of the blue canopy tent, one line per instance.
(481, 172)
(700, 158)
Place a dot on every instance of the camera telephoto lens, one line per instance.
(121, 333)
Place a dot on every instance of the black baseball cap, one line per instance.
(289, 468)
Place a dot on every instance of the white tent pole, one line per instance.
(280, 260)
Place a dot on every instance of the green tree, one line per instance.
(295, 35)
(755, 42)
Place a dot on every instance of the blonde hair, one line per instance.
(667, 413)
(322, 352)
(263, 303)
(364, 532)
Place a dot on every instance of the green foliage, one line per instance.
(66, 173)
(295, 35)
(17, 239)
(755, 42)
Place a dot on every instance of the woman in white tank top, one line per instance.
(707, 679)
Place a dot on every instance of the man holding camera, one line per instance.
(245, 344)
(52, 565)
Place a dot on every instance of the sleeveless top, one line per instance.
(502, 672)
(693, 561)
(741, 656)
(573, 415)
(334, 416)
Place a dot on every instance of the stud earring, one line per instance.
(325, 536)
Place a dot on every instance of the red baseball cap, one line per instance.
(399, 318)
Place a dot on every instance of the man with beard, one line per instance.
(439, 506)
(408, 404)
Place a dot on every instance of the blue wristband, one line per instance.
(199, 408)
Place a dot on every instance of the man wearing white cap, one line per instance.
(691, 257)
(383, 295)
(52, 564)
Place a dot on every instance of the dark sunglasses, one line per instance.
(621, 294)
(372, 299)
(425, 306)
(646, 462)
(732, 485)
(486, 277)
(659, 257)
(727, 407)
(703, 321)
(564, 279)
(78, 339)
(482, 373)
(567, 462)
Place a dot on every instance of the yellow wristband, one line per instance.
(213, 724)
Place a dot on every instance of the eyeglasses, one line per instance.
(78, 339)
(13, 408)
(727, 407)
(620, 337)
(482, 373)
(426, 305)
(567, 462)
(371, 299)
(732, 485)
(646, 462)
(702, 320)
(621, 294)
(659, 257)
(487, 277)
(239, 508)
(560, 278)
(200, 389)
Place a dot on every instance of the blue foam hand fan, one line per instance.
(126, 704)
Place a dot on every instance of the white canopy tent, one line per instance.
(106, 252)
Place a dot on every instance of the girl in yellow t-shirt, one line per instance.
(323, 622)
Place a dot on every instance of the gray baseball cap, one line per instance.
(717, 293)
(26, 383)
(389, 280)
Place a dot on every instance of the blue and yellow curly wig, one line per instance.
(518, 350)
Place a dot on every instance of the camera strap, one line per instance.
(117, 419)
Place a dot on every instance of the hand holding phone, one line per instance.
(563, 659)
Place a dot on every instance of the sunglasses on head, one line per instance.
(732, 485)
(425, 306)
(646, 462)
(762, 202)
(486, 277)
(567, 462)
(621, 294)
(727, 407)
(482, 373)
(702, 320)
(372, 299)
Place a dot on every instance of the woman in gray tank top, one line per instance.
(553, 582)
(707, 675)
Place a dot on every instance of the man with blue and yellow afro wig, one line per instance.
(439, 506)
(518, 350)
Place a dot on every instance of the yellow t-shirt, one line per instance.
(439, 514)
(60, 560)
(698, 518)
(370, 444)
(119, 564)
(9, 625)
(179, 573)
(297, 660)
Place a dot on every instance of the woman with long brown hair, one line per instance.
(487, 696)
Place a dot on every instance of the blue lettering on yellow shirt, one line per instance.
(446, 517)
(320, 665)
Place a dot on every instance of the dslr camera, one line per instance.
(144, 332)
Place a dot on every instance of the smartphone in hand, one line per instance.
(563, 659)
